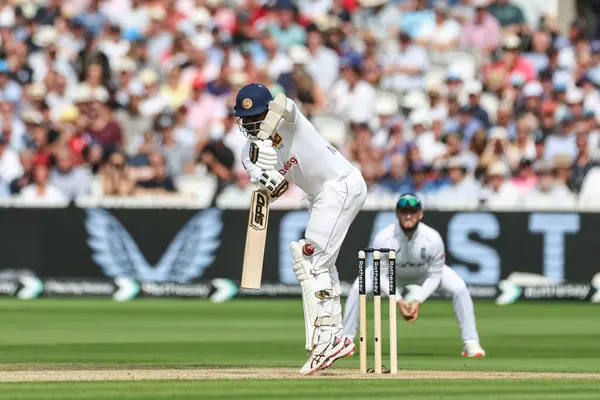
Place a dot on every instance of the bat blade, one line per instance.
(256, 238)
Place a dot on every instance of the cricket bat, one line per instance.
(256, 238)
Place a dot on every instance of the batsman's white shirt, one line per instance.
(336, 189)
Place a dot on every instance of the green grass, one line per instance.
(100, 334)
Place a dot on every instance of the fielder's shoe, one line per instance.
(472, 349)
(322, 353)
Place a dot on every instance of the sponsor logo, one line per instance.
(288, 165)
(247, 103)
(186, 258)
(278, 141)
(259, 217)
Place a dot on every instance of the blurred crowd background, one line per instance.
(469, 103)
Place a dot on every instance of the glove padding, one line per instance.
(263, 154)
(273, 183)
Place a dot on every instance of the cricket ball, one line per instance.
(308, 249)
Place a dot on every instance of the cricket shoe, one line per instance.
(472, 349)
(320, 355)
(348, 350)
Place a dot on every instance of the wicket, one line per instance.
(362, 255)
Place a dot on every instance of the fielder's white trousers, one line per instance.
(452, 284)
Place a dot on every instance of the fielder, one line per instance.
(284, 146)
(420, 261)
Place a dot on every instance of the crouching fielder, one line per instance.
(420, 261)
(284, 146)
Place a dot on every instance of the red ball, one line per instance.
(308, 249)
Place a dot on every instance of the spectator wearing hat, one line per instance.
(71, 180)
(561, 168)
(547, 194)
(583, 162)
(483, 32)
(125, 77)
(468, 124)
(511, 61)
(41, 191)
(352, 98)
(498, 193)
(203, 108)
(574, 99)
(114, 46)
(509, 15)
(462, 191)
(474, 90)
(131, 119)
(531, 99)
(285, 26)
(443, 33)
(58, 97)
(505, 118)
(405, 69)
(153, 102)
(323, 63)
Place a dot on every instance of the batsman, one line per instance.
(284, 147)
(421, 260)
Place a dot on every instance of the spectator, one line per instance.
(9, 89)
(563, 141)
(499, 149)
(462, 191)
(498, 193)
(474, 90)
(352, 98)
(525, 179)
(443, 33)
(132, 121)
(379, 17)
(420, 183)
(424, 138)
(538, 56)
(548, 194)
(416, 16)
(286, 28)
(512, 61)
(158, 181)
(176, 155)
(483, 32)
(562, 170)
(405, 70)
(397, 180)
(117, 179)
(277, 62)
(323, 64)
(509, 15)
(524, 144)
(307, 93)
(175, 91)
(41, 191)
(468, 124)
(10, 167)
(583, 163)
(71, 180)
(153, 102)
(203, 108)
(103, 128)
(26, 161)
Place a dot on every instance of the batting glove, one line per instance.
(273, 183)
(263, 154)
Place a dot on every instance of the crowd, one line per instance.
(469, 103)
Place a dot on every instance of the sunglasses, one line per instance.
(409, 202)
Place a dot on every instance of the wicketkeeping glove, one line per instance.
(273, 183)
(263, 154)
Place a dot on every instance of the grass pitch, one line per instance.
(54, 339)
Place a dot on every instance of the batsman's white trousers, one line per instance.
(452, 284)
(332, 211)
